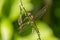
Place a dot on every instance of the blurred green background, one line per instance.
(49, 24)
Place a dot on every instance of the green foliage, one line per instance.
(10, 11)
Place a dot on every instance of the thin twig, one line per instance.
(23, 7)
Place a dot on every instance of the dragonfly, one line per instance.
(31, 18)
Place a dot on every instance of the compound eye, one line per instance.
(29, 14)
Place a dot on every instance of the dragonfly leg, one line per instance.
(22, 26)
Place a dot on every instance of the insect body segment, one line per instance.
(32, 21)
